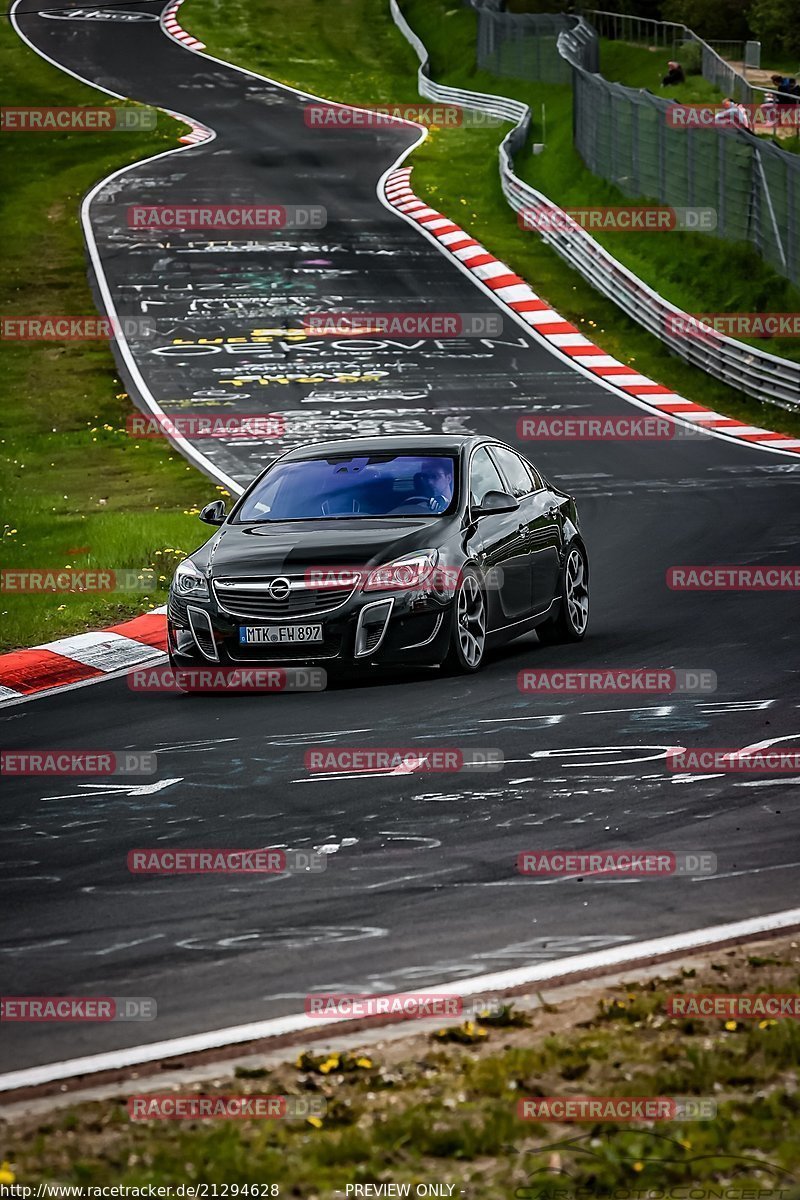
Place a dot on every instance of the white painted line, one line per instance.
(706, 416)
(470, 252)
(568, 339)
(628, 380)
(542, 316)
(499, 981)
(741, 429)
(493, 270)
(600, 360)
(455, 236)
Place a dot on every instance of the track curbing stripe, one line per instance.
(561, 335)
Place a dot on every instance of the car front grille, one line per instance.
(247, 598)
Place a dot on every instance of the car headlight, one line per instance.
(187, 581)
(408, 572)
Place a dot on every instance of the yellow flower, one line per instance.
(731, 1025)
(363, 1062)
(638, 1166)
(329, 1065)
(766, 1024)
(315, 1121)
(6, 1174)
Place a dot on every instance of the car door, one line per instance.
(499, 540)
(539, 513)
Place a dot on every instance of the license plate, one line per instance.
(251, 635)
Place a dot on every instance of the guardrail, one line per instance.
(763, 376)
(524, 45)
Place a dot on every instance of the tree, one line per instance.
(775, 23)
(714, 20)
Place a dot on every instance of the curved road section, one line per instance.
(421, 885)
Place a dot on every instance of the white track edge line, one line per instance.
(608, 960)
(181, 444)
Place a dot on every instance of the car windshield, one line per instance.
(377, 485)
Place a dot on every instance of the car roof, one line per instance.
(416, 443)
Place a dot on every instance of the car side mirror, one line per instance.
(214, 513)
(496, 502)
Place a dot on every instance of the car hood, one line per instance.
(288, 547)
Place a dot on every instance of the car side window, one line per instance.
(483, 477)
(536, 478)
(517, 476)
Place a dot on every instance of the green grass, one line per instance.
(643, 67)
(77, 490)
(422, 1110)
(456, 170)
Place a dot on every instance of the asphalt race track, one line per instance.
(420, 886)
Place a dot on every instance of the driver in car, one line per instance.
(436, 478)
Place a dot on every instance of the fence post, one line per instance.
(767, 196)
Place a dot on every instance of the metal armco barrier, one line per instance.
(763, 376)
(525, 45)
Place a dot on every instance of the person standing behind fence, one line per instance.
(674, 75)
(786, 89)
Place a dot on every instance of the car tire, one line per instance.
(569, 623)
(468, 626)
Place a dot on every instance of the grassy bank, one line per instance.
(442, 1108)
(77, 490)
(644, 67)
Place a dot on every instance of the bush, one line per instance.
(775, 23)
(691, 58)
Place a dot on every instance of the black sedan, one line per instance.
(376, 551)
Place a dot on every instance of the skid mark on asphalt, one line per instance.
(286, 937)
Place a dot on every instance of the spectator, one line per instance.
(674, 75)
(786, 89)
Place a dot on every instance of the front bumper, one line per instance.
(410, 628)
